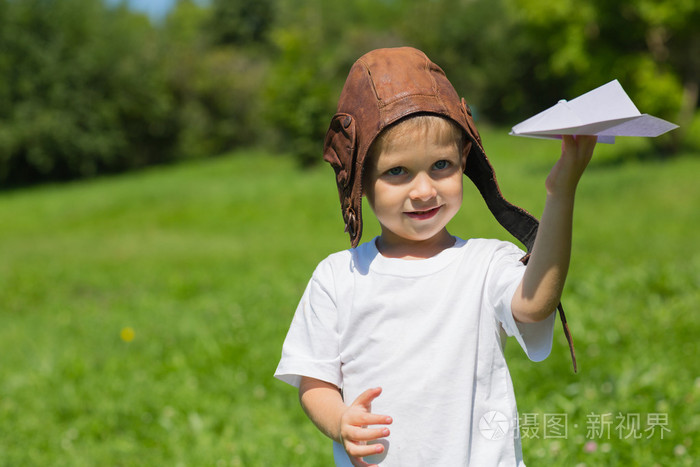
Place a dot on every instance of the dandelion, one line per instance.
(127, 334)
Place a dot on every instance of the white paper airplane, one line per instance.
(606, 111)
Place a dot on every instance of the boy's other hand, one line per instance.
(576, 153)
(354, 430)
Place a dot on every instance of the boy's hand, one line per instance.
(576, 152)
(354, 432)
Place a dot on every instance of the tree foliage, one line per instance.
(80, 90)
(240, 22)
(88, 87)
(216, 88)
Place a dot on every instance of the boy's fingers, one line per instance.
(361, 450)
(364, 419)
(566, 142)
(582, 143)
(588, 144)
(367, 397)
(366, 434)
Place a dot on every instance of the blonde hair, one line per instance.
(418, 126)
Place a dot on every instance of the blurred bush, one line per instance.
(88, 88)
(215, 85)
(81, 92)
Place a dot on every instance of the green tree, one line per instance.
(88, 89)
(216, 87)
(240, 22)
(81, 91)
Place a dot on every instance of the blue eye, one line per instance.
(395, 171)
(440, 165)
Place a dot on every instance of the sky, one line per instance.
(156, 9)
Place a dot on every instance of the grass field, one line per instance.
(143, 315)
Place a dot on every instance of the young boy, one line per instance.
(397, 344)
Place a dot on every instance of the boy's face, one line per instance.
(414, 185)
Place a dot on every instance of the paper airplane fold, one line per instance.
(606, 111)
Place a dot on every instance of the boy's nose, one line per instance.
(423, 188)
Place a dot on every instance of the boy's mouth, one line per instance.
(422, 215)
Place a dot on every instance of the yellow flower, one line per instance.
(127, 334)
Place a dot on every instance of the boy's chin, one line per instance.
(415, 237)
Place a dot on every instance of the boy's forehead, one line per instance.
(420, 130)
(420, 137)
(425, 142)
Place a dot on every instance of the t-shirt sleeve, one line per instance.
(505, 275)
(311, 347)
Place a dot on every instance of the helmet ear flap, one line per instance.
(339, 148)
(340, 151)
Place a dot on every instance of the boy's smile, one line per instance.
(422, 215)
(414, 185)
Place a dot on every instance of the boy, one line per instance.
(417, 315)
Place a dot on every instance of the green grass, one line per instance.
(206, 262)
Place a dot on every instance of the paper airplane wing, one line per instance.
(606, 111)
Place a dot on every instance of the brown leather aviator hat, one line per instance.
(385, 86)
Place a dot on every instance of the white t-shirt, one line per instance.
(430, 333)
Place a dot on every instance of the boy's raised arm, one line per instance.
(324, 405)
(540, 290)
